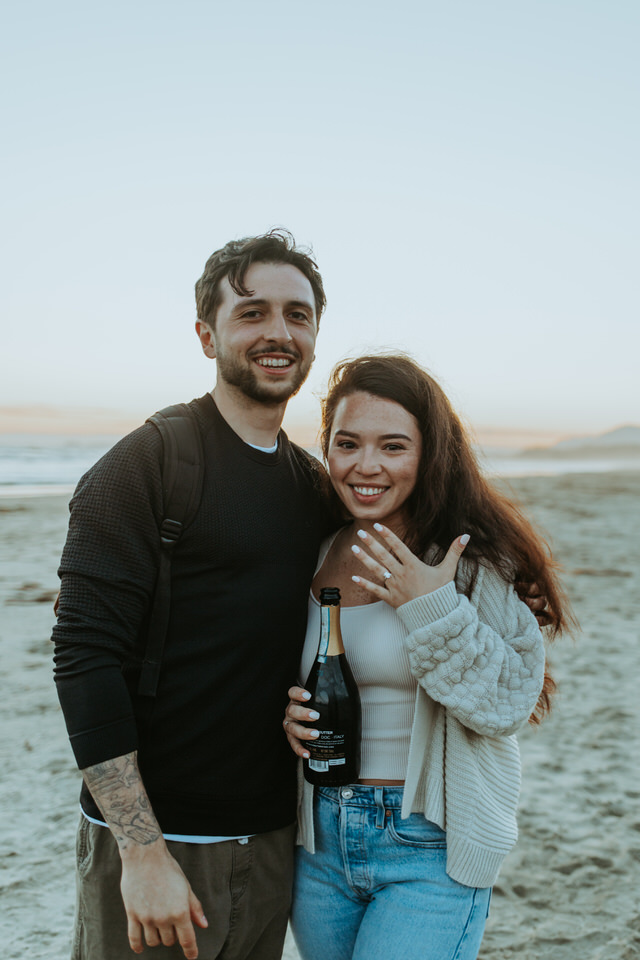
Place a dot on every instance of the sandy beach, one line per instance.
(570, 890)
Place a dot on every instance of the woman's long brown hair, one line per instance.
(451, 496)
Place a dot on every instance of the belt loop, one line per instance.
(379, 797)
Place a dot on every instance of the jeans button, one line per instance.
(346, 793)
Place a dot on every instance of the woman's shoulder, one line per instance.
(492, 592)
(324, 550)
(325, 547)
(481, 581)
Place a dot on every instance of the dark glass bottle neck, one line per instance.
(331, 644)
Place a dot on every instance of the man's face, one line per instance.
(264, 343)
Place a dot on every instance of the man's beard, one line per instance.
(236, 374)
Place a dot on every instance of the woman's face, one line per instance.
(374, 453)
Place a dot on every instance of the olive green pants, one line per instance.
(244, 888)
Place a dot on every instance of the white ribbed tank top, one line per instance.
(373, 638)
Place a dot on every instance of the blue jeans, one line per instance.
(377, 887)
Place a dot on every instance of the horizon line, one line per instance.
(30, 419)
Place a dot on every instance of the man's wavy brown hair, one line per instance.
(451, 495)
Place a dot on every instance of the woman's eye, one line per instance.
(345, 445)
(394, 446)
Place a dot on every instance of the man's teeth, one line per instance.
(273, 362)
(369, 491)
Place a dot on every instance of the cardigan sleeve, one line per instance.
(483, 659)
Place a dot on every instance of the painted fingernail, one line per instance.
(313, 715)
(362, 534)
(305, 755)
(356, 579)
(356, 549)
(305, 695)
(314, 733)
(378, 527)
(464, 539)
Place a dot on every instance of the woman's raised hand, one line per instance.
(403, 575)
(295, 712)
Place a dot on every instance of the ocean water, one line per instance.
(34, 464)
(508, 463)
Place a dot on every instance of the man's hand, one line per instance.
(530, 594)
(161, 906)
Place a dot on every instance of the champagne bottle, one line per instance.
(335, 755)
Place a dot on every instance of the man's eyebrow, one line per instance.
(384, 436)
(262, 302)
(301, 303)
(250, 302)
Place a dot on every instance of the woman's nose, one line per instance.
(369, 462)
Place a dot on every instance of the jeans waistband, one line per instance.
(364, 795)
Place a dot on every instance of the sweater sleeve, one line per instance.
(481, 659)
(107, 573)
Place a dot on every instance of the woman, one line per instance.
(449, 663)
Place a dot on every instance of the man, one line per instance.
(197, 786)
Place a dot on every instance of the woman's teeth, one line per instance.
(369, 491)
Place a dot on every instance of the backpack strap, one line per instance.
(182, 481)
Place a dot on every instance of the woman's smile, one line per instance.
(368, 494)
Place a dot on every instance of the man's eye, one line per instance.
(299, 317)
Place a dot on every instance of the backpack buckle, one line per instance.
(170, 531)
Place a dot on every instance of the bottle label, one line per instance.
(321, 766)
(325, 626)
(329, 748)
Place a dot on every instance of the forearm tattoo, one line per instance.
(117, 788)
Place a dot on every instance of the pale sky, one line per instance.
(466, 172)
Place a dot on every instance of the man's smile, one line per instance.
(274, 361)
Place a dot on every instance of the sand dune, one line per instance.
(571, 889)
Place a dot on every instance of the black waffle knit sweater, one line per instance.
(211, 749)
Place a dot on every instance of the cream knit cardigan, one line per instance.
(479, 664)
